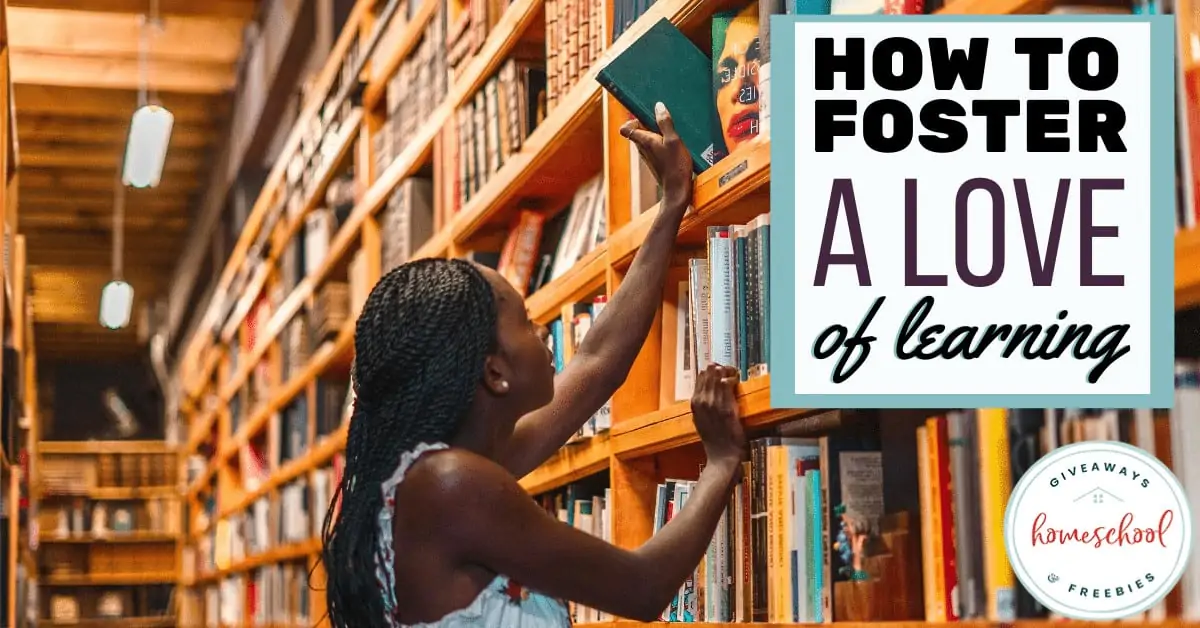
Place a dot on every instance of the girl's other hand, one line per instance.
(716, 416)
(666, 155)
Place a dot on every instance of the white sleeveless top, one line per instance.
(504, 603)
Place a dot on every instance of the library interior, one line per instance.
(199, 195)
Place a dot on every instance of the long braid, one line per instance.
(420, 345)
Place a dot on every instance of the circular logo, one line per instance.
(1098, 530)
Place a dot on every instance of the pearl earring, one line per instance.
(503, 385)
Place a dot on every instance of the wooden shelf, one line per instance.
(283, 553)
(583, 279)
(316, 457)
(672, 427)
(122, 622)
(94, 447)
(129, 493)
(200, 430)
(572, 462)
(114, 538)
(109, 580)
(117, 493)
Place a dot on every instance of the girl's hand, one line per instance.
(666, 155)
(715, 414)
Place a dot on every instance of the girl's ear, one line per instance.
(495, 376)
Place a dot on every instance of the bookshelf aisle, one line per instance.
(470, 128)
(108, 531)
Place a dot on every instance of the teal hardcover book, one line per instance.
(665, 66)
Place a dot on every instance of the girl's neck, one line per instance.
(475, 439)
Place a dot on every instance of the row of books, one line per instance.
(296, 515)
(715, 309)
(267, 593)
(277, 595)
(306, 168)
(333, 307)
(105, 604)
(538, 250)
(86, 518)
(406, 221)
(272, 595)
(782, 552)
(574, 41)
(771, 557)
(152, 557)
(584, 506)
(566, 335)
(492, 125)
(468, 25)
(419, 85)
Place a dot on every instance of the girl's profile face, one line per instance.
(523, 359)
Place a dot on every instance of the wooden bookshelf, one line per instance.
(110, 523)
(16, 334)
(576, 140)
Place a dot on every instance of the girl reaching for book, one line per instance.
(457, 398)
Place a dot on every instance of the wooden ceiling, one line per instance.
(76, 77)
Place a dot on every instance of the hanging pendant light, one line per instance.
(150, 128)
(116, 299)
(149, 135)
(116, 304)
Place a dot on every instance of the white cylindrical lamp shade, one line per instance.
(116, 304)
(149, 135)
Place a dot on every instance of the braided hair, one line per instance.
(420, 345)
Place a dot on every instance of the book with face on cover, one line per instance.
(737, 56)
(664, 66)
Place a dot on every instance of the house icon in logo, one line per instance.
(1099, 496)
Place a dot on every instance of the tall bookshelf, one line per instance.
(265, 414)
(109, 525)
(18, 366)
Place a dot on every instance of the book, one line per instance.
(736, 73)
(665, 66)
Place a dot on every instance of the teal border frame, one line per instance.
(1162, 228)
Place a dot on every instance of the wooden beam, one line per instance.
(56, 296)
(51, 275)
(91, 344)
(97, 221)
(33, 156)
(53, 179)
(101, 235)
(88, 33)
(72, 70)
(99, 216)
(34, 201)
(94, 252)
(113, 104)
(100, 134)
(85, 340)
(229, 9)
